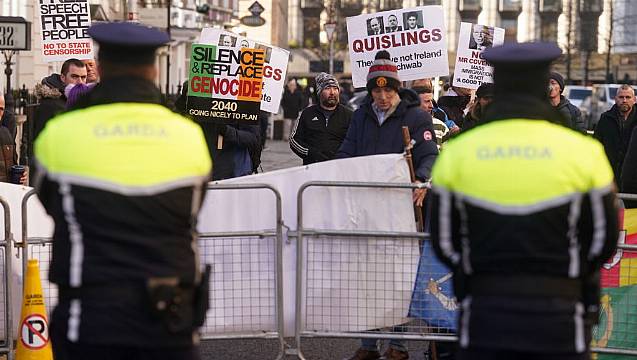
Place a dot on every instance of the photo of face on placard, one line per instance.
(392, 24)
(412, 20)
(245, 43)
(481, 37)
(375, 26)
(227, 40)
(268, 51)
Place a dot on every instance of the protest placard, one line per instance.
(274, 70)
(471, 69)
(64, 26)
(225, 83)
(415, 39)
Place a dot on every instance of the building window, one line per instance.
(510, 6)
(429, 2)
(550, 6)
(469, 5)
(510, 29)
(548, 29)
(311, 31)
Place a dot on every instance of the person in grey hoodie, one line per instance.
(572, 115)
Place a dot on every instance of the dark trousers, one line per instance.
(489, 354)
(66, 350)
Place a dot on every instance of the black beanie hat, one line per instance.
(560, 80)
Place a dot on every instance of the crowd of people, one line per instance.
(464, 142)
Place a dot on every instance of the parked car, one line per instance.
(602, 99)
(357, 100)
(576, 94)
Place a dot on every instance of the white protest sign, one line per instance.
(415, 39)
(64, 27)
(276, 64)
(471, 69)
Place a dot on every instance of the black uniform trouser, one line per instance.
(490, 354)
(66, 350)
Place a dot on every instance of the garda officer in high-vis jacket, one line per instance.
(123, 178)
(524, 213)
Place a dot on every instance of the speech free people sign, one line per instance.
(274, 69)
(225, 83)
(415, 39)
(471, 69)
(64, 25)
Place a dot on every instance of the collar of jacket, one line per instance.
(521, 107)
(619, 117)
(408, 99)
(121, 89)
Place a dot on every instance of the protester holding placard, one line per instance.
(376, 128)
(241, 148)
(50, 92)
(484, 96)
(454, 103)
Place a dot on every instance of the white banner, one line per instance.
(64, 28)
(276, 64)
(415, 39)
(471, 69)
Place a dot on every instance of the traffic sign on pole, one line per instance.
(330, 28)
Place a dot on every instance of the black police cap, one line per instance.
(521, 68)
(127, 43)
(522, 55)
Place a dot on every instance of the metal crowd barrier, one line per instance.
(6, 302)
(369, 276)
(266, 321)
(241, 257)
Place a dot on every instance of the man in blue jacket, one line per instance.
(376, 128)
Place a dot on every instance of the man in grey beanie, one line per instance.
(321, 128)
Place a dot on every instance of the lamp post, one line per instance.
(330, 29)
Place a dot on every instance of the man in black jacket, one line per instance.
(292, 102)
(615, 127)
(50, 92)
(572, 115)
(321, 128)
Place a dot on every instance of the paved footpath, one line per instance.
(277, 155)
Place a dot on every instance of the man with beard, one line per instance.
(615, 127)
(321, 128)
